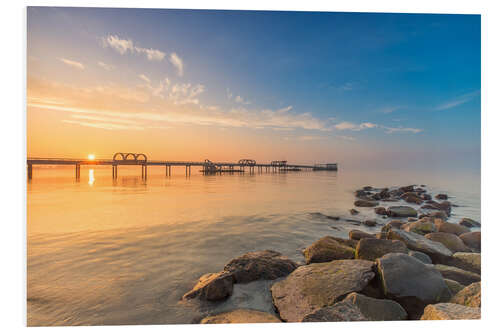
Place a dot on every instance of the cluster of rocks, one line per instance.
(419, 268)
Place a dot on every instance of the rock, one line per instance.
(312, 287)
(371, 249)
(456, 274)
(384, 193)
(454, 286)
(380, 211)
(420, 227)
(212, 287)
(358, 234)
(347, 242)
(450, 311)
(420, 256)
(342, 311)
(411, 283)
(467, 261)
(472, 239)
(436, 251)
(469, 223)
(365, 203)
(451, 228)
(469, 296)
(396, 224)
(361, 194)
(327, 249)
(441, 196)
(412, 197)
(260, 265)
(438, 215)
(377, 309)
(353, 211)
(241, 316)
(370, 223)
(367, 188)
(425, 196)
(409, 188)
(451, 241)
(401, 211)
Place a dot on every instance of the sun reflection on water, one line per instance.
(91, 177)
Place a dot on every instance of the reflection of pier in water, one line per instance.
(208, 167)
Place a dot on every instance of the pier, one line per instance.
(208, 167)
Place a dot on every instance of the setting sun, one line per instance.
(91, 157)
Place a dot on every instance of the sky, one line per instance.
(361, 89)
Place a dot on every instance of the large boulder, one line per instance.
(342, 311)
(451, 228)
(461, 276)
(472, 239)
(454, 286)
(469, 296)
(260, 265)
(469, 223)
(377, 309)
(380, 210)
(401, 211)
(467, 261)
(450, 311)
(241, 316)
(420, 227)
(411, 283)
(373, 248)
(420, 256)
(365, 203)
(451, 241)
(212, 287)
(312, 287)
(436, 251)
(327, 249)
(358, 234)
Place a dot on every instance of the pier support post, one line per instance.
(115, 171)
(170, 170)
(30, 171)
(77, 171)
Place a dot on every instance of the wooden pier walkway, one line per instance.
(208, 167)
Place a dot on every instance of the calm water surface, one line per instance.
(124, 252)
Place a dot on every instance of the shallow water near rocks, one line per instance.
(103, 252)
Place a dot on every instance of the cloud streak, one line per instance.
(72, 63)
(124, 46)
(178, 63)
(457, 101)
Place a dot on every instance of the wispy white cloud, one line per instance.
(178, 63)
(124, 46)
(354, 127)
(73, 63)
(105, 66)
(390, 130)
(145, 78)
(390, 109)
(458, 101)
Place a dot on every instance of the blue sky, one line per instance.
(346, 83)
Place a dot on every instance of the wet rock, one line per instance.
(456, 274)
(212, 287)
(469, 223)
(241, 316)
(327, 249)
(438, 215)
(454, 286)
(312, 287)
(371, 249)
(425, 196)
(412, 197)
(353, 211)
(441, 196)
(396, 224)
(420, 256)
(361, 194)
(342, 311)
(451, 241)
(436, 251)
(450, 311)
(467, 261)
(370, 223)
(409, 188)
(411, 283)
(472, 239)
(365, 203)
(380, 211)
(401, 211)
(260, 265)
(420, 227)
(469, 296)
(384, 193)
(368, 188)
(377, 309)
(358, 234)
(451, 228)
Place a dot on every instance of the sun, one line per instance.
(91, 157)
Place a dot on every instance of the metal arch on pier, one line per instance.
(135, 157)
(247, 162)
